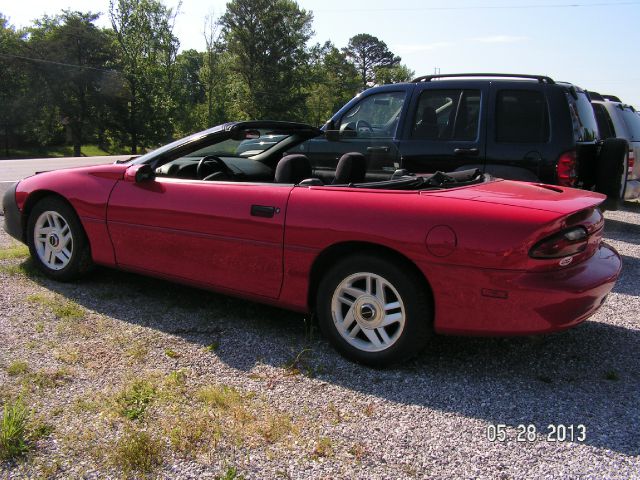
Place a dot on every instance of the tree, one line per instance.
(368, 53)
(266, 43)
(333, 82)
(74, 53)
(147, 51)
(395, 74)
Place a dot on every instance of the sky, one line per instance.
(591, 43)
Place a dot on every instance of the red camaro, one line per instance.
(383, 264)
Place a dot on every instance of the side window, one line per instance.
(375, 116)
(521, 117)
(447, 115)
(605, 126)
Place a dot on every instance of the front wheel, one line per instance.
(374, 311)
(57, 241)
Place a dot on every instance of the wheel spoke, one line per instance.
(369, 285)
(348, 319)
(354, 292)
(346, 301)
(391, 318)
(48, 254)
(371, 335)
(380, 290)
(355, 331)
(383, 334)
(64, 258)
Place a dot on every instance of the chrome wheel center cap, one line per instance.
(369, 313)
(54, 241)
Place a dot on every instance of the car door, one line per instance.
(367, 126)
(445, 128)
(223, 234)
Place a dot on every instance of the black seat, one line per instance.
(427, 128)
(293, 169)
(352, 168)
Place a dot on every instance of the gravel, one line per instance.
(425, 419)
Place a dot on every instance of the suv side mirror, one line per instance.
(139, 173)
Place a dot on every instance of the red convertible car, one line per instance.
(383, 264)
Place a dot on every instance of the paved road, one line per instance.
(13, 170)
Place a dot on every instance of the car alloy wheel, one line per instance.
(53, 240)
(368, 312)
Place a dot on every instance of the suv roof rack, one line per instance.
(539, 78)
(612, 98)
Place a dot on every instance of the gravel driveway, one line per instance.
(125, 375)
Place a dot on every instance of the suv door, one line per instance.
(368, 126)
(519, 144)
(443, 131)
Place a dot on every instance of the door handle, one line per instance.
(378, 149)
(466, 151)
(263, 211)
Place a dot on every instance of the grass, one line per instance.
(222, 397)
(171, 353)
(16, 368)
(89, 150)
(14, 251)
(195, 432)
(137, 351)
(300, 364)
(276, 427)
(231, 473)
(133, 400)
(137, 452)
(62, 308)
(45, 379)
(13, 430)
(323, 448)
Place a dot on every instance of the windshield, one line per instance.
(265, 139)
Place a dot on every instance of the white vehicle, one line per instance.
(616, 119)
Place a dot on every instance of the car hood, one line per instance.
(535, 196)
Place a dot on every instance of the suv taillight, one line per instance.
(569, 242)
(566, 169)
(632, 160)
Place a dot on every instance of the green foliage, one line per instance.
(369, 53)
(16, 368)
(134, 400)
(13, 430)
(137, 452)
(394, 74)
(14, 251)
(266, 42)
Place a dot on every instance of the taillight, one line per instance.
(632, 160)
(566, 169)
(569, 242)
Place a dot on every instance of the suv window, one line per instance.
(375, 116)
(632, 120)
(605, 125)
(521, 117)
(447, 115)
(584, 121)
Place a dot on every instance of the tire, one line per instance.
(612, 169)
(352, 316)
(57, 241)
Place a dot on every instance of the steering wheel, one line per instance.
(362, 126)
(210, 162)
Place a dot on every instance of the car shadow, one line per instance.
(622, 231)
(587, 375)
(627, 283)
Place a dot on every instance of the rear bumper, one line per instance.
(535, 303)
(13, 223)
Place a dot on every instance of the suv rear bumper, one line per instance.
(499, 302)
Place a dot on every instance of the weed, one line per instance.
(212, 347)
(223, 397)
(137, 451)
(39, 327)
(299, 364)
(26, 269)
(171, 353)
(358, 450)
(612, 375)
(193, 432)
(68, 356)
(176, 379)
(137, 351)
(14, 251)
(276, 427)
(231, 473)
(323, 448)
(46, 379)
(134, 400)
(63, 309)
(369, 410)
(17, 368)
(13, 430)
(40, 429)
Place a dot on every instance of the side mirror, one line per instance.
(139, 173)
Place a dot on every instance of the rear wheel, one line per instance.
(612, 169)
(373, 311)
(57, 241)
